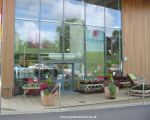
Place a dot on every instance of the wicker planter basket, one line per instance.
(108, 95)
(48, 100)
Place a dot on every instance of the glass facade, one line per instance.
(95, 13)
(94, 50)
(50, 38)
(51, 10)
(79, 36)
(73, 41)
(74, 11)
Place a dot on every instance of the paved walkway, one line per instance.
(126, 113)
(19, 104)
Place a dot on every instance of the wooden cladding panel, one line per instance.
(146, 21)
(136, 37)
(7, 48)
(0, 4)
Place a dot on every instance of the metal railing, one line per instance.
(143, 83)
(58, 86)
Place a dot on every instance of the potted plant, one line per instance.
(46, 95)
(111, 90)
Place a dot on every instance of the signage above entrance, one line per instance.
(74, 55)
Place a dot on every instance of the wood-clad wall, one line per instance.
(136, 37)
(0, 4)
(7, 48)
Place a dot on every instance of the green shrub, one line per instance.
(112, 89)
(46, 92)
(49, 82)
(111, 85)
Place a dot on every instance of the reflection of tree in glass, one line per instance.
(51, 46)
(115, 41)
(23, 50)
(66, 31)
(113, 47)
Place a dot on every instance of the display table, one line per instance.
(139, 91)
(91, 88)
(125, 84)
(27, 88)
(122, 81)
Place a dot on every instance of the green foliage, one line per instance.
(111, 85)
(112, 89)
(30, 85)
(49, 82)
(46, 92)
(111, 79)
(97, 73)
(93, 59)
(109, 64)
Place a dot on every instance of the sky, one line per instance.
(53, 10)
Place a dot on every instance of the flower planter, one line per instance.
(108, 95)
(48, 100)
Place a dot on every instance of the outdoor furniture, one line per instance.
(91, 88)
(92, 85)
(140, 90)
(122, 81)
(27, 88)
(140, 87)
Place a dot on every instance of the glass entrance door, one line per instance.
(68, 77)
(63, 73)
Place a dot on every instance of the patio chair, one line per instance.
(138, 84)
(135, 80)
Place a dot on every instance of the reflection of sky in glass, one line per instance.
(27, 9)
(113, 18)
(49, 32)
(27, 31)
(52, 9)
(94, 15)
(74, 9)
(109, 32)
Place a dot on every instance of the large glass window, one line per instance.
(112, 13)
(73, 41)
(52, 10)
(28, 9)
(74, 11)
(64, 26)
(86, 34)
(113, 39)
(23, 71)
(51, 40)
(78, 75)
(26, 43)
(94, 50)
(95, 13)
(113, 35)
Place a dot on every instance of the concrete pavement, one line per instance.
(140, 112)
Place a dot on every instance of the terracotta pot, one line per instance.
(107, 93)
